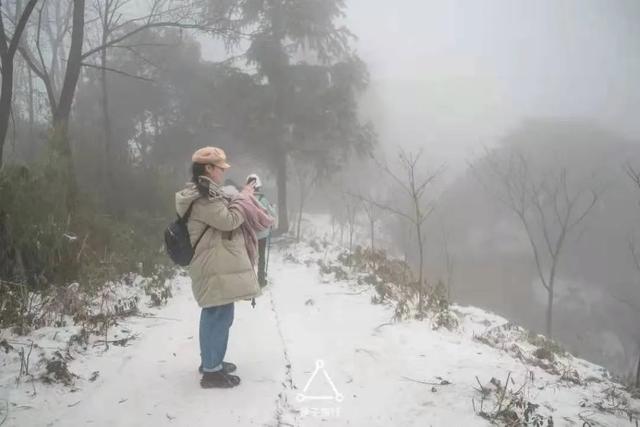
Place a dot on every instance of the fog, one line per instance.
(455, 78)
(493, 147)
(451, 76)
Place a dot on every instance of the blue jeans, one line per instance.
(214, 335)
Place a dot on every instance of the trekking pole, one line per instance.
(266, 264)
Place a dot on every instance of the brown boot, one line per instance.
(219, 379)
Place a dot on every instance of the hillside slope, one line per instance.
(372, 371)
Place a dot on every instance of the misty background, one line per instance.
(452, 76)
(555, 82)
(457, 77)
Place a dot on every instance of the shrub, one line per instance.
(59, 247)
(158, 287)
(394, 281)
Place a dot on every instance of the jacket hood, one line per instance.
(185, 197)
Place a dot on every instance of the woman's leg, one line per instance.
(214, 335)
(228, 315)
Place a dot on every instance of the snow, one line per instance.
(375, 365)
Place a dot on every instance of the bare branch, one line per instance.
(136, 31)
(17, 33)
(113, 70)
(383, 207)
(594, 200)
(633, 174)
(536, 253)
(430, 179)
(425, 215)
(3, 38)
(626, 301)
(634, 253)
(542, 217)
(47, 78)
(398, 181)
(141, 57)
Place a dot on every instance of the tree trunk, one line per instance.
(549, 320)
(552, 284)
(449, 262)
(281, 172)
(638, 372)
(373, 226)
(60, 139)
(5, 101)
(298, 227)
(72, 74)
(109, 177)
(351, 228)
(420, 271)
(32, 142)
(333, 227)
(8, 53)
(276, 78)
(301, 207)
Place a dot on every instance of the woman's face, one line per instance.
(216, 173)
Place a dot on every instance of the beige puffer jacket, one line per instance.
(220, 271)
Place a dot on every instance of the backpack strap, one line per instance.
(200, 238)
(187, 214)
(184, 218)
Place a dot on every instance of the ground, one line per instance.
(383, 373)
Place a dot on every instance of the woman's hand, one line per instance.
(249, 190)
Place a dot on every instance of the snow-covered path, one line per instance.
(155, 380)
(299, 320)
(368, 359)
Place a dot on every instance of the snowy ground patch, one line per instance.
(316, 352)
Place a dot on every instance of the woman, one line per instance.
(221, 271)
(263, 236)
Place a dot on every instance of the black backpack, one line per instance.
(177, 241)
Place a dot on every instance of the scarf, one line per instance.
(256, 217)
(215, 190)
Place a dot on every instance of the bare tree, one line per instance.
(351, 215)
(48, 72)
(71, 76)
(373, 214)
(449, 260)
(108, 11)
(414, 185)
(110, 16)
(23, 109)
(633, 249)
(547, 208)
(635, 254)
(634, 175)
(8, 47)
(114, 33)
(337, 220)
(306, 183)
(366, 201)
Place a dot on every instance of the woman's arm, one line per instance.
(216, 214)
